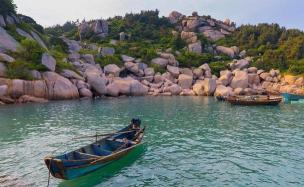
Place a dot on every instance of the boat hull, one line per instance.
(255, 101)
(292, 97)
(94, 156)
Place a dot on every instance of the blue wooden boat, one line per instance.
(96, 155)
(292, 97)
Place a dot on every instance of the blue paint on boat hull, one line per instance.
(291, 97)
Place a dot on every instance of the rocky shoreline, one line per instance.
(135, 77)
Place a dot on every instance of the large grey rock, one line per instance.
(205, 67)
(36, 74)
(48, 61)
(2, 70)
(160, 61)
(126, 58)
(198, 88)
(31, 99)
(74, 46)
(59, 87)
(126, 86)
(9, 20)
(71, 74)
(185, 81)
(17, 88)
(84, 92)
(7, 42)
(112, 69)
(240, 80)
(189, 37)
(195, 47)
(98, 83)
(105, 51)
(88, 58)
(197, 72)
(175, 16)
(239, 64)
(226, 51)
(149, 72)
(173, 70)
(175, 89)
(209, 86)
(6, 58)
(24, 34)
(38, 39)
(223, 91)
(213, 35)
(186, 71)
(253, 79)
(2, 21)
(73, 57)
(3, 90)
(132, 67)
(138, 89)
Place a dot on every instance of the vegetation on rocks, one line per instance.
(275, 46)
(7, 6)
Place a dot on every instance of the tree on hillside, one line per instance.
(7, 6)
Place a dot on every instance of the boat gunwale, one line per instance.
(90, 160)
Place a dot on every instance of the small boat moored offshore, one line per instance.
(96, 155)
(288, 97)
(255, 100)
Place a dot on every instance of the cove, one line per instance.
(190, 141)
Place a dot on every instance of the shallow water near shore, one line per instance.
(190, 141)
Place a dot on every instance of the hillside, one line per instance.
(143, 53)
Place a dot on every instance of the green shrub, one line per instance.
(106, 60)
(158, 68)
(11, 29)
(218, 66)
(189, 59)
(7, 6)
(88, 51)
(297, 67)
(30, 51)
(21, 69)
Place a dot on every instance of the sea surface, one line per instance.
(189, 141)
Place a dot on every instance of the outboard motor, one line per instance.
(136, 122)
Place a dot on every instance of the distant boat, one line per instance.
(292, 97)
(96, 155)
(255, 100)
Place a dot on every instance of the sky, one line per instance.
(288, 13)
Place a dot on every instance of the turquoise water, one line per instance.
(190, 141)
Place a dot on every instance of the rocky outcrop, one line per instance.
(58, 87)
(2, 70)
(223, 91)
(185, 81)
(38, 39)
(98, 27)
(195, 47)
(6, 58)
(7, 42)
(71, 74)
(175, 17)
(112, 69)
(229, 51)
(160, 61)
(240, 80)
(48, 61)
(31, 99)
